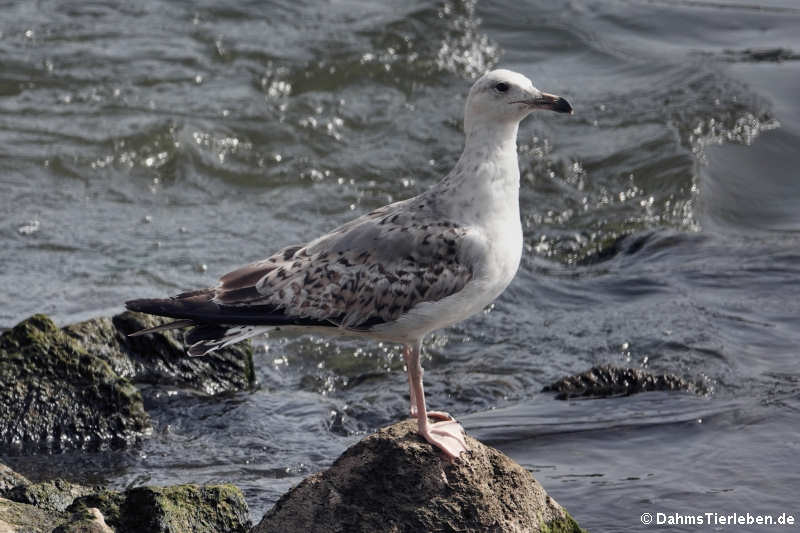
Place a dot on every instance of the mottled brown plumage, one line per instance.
(371, 270)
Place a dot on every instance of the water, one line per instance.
(150, 148)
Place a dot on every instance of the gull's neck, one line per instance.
(485, 179)
(499, 137)
(490, 153)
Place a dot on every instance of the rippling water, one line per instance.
(149, 148)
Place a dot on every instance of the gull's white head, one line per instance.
(505, 97)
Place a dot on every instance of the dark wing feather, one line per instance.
(210, 312)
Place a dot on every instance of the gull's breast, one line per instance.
(495, 267)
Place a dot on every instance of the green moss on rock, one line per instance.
(55, 395)
(564, 524)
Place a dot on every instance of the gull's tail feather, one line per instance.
(216, 325)
(197, 309)
(201, 308)
(195, 305)
(206, 338)
(163, 327)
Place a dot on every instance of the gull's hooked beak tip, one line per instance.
(547, 101)
(553, 103)
(562, 106)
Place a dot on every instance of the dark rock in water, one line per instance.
(160, 358)
(70, 388)
(199, 509)
(394, 481)
(55, 395)
(607, 380)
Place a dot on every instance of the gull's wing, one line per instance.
(369, 271)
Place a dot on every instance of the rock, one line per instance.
(199, 509)
(160, 358)
(54, 496)
(42, 505)
(607, 380)
(55, 395)
(90, 520)
(10, 479)
(394, 481)
(18, 517)
(61, 507)
(71, 508)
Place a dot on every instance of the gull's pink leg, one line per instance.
(447, 436)
(438, 415)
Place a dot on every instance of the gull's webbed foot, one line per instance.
(447, 436)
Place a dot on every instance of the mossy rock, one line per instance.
(15, 516)
(160, 358)
(10, 479)
(199, 509)
(54, 496)
(55, 395)
(85, 521)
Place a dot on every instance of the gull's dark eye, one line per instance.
(502, 86)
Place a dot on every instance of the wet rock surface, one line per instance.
(160, 358)
(74, 387)
(55, 395)
(394, 481)
(607, 380)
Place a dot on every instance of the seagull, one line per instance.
(398, 272)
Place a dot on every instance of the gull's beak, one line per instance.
(551, 102)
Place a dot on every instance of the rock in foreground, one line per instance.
(201, 509)
(394, 481)
(607, 380)
(16, 517)
(58, 506)
(10, 479)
